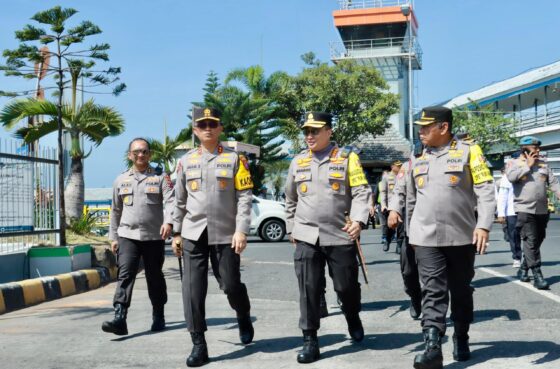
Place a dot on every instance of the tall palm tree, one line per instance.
(92, 121)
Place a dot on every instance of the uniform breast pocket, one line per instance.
(337, 183)
(420, 174)
(127, 195)
(224, 179)
(454, 174)
(153, 194)
(303, 182)
(193, 178)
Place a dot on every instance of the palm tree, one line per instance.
(92, 121)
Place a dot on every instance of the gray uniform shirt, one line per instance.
(142, 202)
(530, 186)
(446, 184)
(319, 191)
(213, 190)
(386, 188)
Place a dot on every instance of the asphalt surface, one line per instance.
(515, 326)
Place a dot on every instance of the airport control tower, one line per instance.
(382, 34)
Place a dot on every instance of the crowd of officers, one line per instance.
(328, 203)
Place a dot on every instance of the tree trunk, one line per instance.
(74, 191)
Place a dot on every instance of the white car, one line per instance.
(268, 220)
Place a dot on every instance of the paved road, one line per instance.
(516, 325)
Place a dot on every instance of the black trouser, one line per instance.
(443, 271)
(309, 263)
(128, 260)
(514, 237)
(195, 280)
(532, 229)
(409, 271)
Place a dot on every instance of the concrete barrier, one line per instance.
(17, 295)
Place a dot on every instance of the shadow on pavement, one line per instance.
(377, 262)
(381, 305)
(82, 312)
(487, 282)
(169, 326)
(491, 314)
(509, 349)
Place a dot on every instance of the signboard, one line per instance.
(16, 196)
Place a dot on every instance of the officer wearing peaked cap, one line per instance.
(531, 177)
(142, 205)
(323, 183)
(447, 181)
(211, 221)
(386, 194)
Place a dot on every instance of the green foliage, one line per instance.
(276, 175)
(486, 125)
(83, 225)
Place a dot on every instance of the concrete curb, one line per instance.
(18, 295)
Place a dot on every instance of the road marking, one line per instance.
(529, 286)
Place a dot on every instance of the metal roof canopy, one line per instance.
(524, 89)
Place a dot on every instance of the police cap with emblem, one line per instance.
(200, 114)
(317, 119)
(397, 163)
(435, 114)
(529, 140)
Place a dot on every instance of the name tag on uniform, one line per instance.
(456, 153)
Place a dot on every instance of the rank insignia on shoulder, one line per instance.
(345, 152)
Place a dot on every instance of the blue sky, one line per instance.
(167, 47)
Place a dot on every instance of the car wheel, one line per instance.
(273, 230)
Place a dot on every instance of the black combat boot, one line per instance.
(524, 274)
(432, 358)
(386, 245)
(538, 280)
(118, 324)
(199, 353)
(324, 311)
(415, 307)
(310, 351)
(461, 351)
(399, 247)
(246, 330)
(158, 319)
(355, 328)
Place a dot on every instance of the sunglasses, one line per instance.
(212, 124)
(138, 152)
(311, 131)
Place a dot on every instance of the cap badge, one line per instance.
(207, 113)
(310, 116)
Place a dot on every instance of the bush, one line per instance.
(83, 225)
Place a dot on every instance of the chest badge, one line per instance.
(222, 184)
(303, 188)
(420, 183)
(335, 186)
(453, 180)
(194, 185)
(127, 200)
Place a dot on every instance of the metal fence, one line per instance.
(28, 196)
(361, 4)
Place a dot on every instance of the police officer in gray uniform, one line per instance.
(323, 183)
(386, 193)
(141, 220)
(211, 220)
(447, 181)
(531, 177)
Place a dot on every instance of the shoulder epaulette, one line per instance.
(192, 150)
(346, 150)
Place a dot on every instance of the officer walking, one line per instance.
(323, 183)
(141, 220)
(211, 220)
(531, 177)
(447, 181)
(386, 192)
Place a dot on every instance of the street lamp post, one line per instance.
(407, 12)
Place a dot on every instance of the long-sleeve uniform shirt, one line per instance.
(530, 185)
(213, 190)
(505, 198)
(446, 184)
(386, 188)
(142, 202)
(319, 191)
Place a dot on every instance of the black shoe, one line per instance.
(199, 353)
(355, 328)
(246, 330)
(415, 308)
(158, 319)
(432, 358)
(310, 351)
(324, 311)
(524, 275)
(461, 351)
(118, 324)
(386, 246)
(538, 280)
(398, 249)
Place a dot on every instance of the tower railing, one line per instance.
(362, 4)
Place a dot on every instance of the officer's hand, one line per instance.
(165, 231)
(480, 240)
(353, 229)
(239, 242)
(114, 246)
(394, 219)
(501, 220)
(531, 158)
(292, 240)
(372, 211)
(383, 209)
(177, 245)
